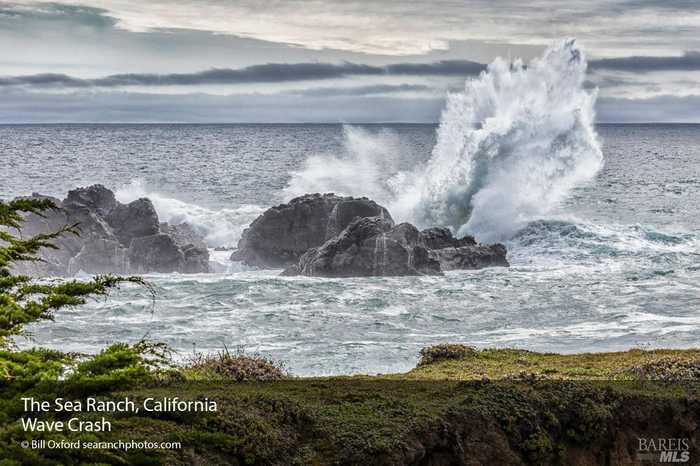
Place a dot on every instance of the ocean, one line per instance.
(614, 264)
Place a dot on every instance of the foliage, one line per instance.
(239, 367)
(431, 354)
(670, 368)
(23, 300)
(635, 364)
(45, 373)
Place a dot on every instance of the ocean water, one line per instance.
(616, 264)
(602, 226)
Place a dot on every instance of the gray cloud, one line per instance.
(363, 90)
(267, 73)
(689, 61)
(442, 68)
(125, 107)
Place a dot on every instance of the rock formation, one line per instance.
(332, 236)
(462, 253)
(114, 238)
(369, 246)
(280, 236)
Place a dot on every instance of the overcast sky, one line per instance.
(327, 60)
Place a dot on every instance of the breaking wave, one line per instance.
(220, 227)
(510, 147)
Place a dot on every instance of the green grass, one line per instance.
(508, 363)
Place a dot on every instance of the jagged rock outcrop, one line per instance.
(373, 246)
(369, 246)
(156, 253)
(462, 253)
(280, 236)
(114, 238)
(471, 257)
(439, 238)
(192, 245)
(133, 220)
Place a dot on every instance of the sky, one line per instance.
(349, 61)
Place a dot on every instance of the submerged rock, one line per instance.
(114, 238)
(280, 236)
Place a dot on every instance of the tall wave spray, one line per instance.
(511, 146)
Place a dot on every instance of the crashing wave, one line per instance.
(510, 147)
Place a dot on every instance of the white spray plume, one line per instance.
(510, 147)
(366, 167)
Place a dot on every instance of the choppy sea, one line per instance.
(612, 264)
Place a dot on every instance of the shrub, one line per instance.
(671, 369)
(443, 352)
(238, 367)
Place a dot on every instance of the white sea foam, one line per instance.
(368, 167)
(510, 147)
(220, 227)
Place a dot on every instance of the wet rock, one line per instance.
(280, 236)
(95, 198)
(369, 246)
(192, 245)
(471, 257)
(108, 230)
(156, 253)
(347, 210)
(184, 234)
(462, 253)
(133, 220)
(438, 238)
(100, 256)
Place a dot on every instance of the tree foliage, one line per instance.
(24, 300)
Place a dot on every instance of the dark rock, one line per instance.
(369, 246)
(184, 234)
(100, 256)
(192, 244)
(347, 210)
(135, 219)
(438, 238)
(155, 253)
(471, 257)
(94, 198)
(462, 253)
(55, 261)
(196, 259)
(107, 230)
(283, 233)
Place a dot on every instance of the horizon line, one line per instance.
(306, 123)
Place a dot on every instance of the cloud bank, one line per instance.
(267, 73)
